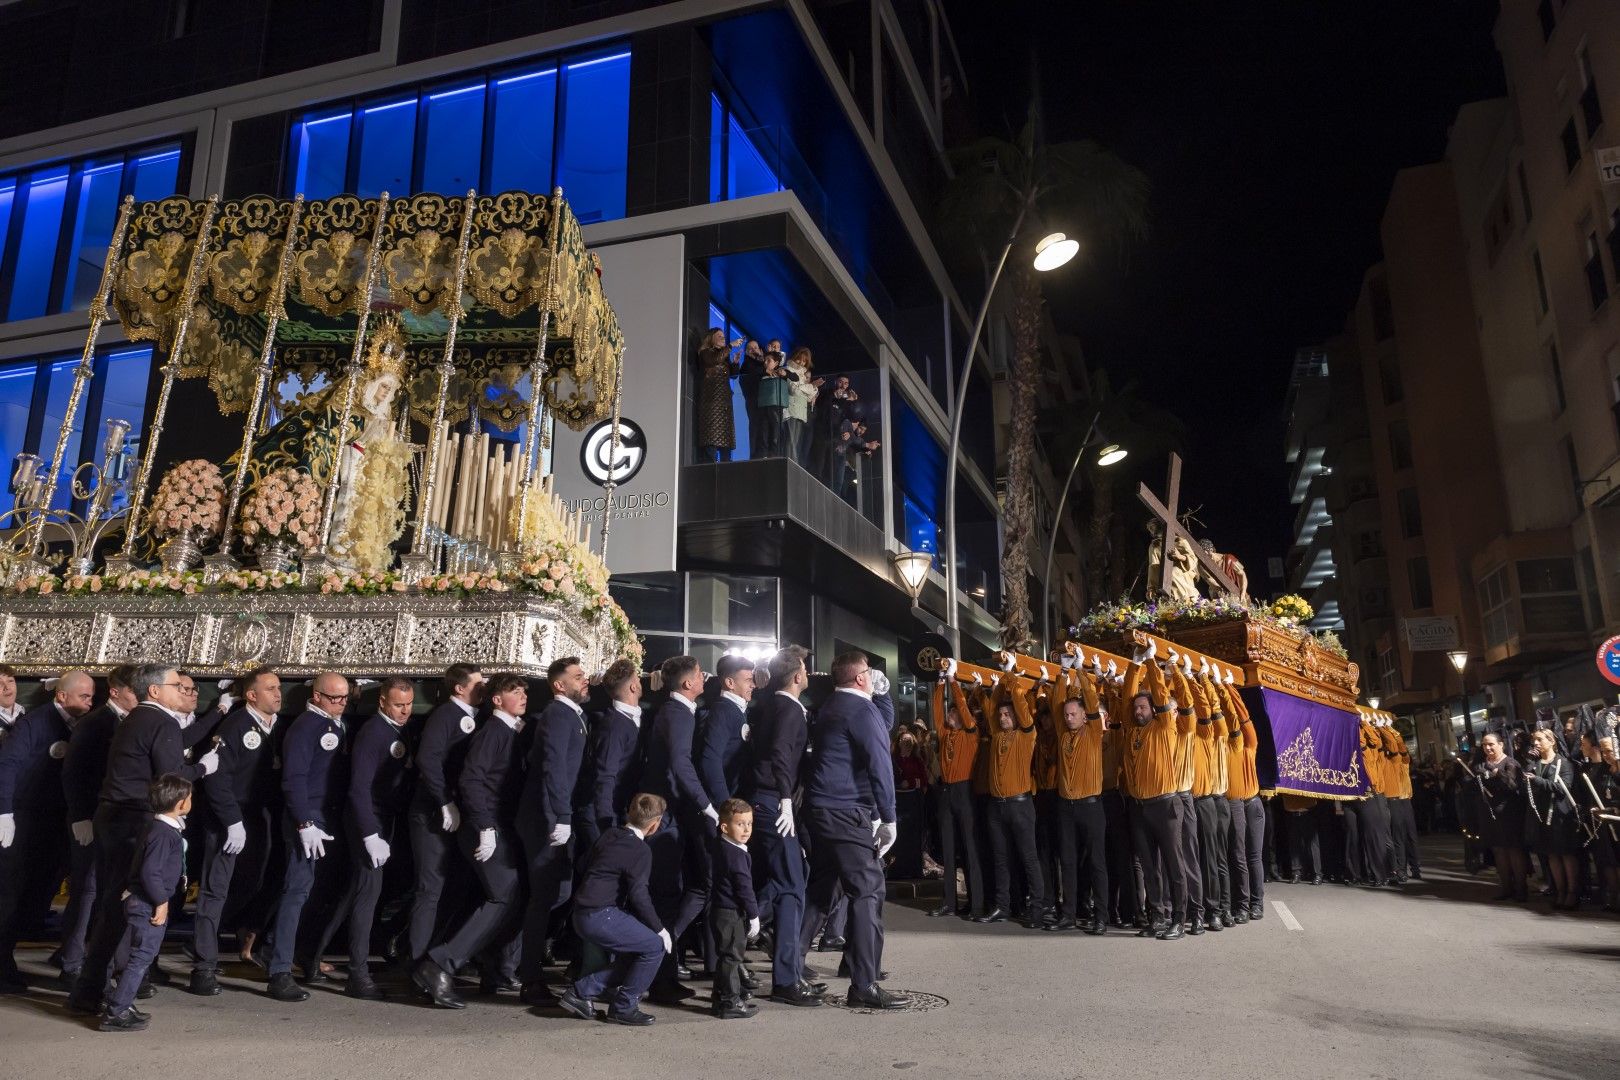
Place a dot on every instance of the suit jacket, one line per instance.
(850, 766)
(555, 759)
(615, 766)
(723, 752)
(670, 771)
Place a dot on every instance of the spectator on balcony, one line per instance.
(750, 371)
(801, 401)
(855, 448)
(775, 388)
(716, 434)
(827, 425)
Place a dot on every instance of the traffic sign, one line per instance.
(1608, 660)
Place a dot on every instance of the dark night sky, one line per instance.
(1271, 132)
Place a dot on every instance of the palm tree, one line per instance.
(1000, 186)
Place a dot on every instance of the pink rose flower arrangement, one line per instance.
(285, 505)
(190, 499)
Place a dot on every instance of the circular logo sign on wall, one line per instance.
(1608, 660)
(598, 459)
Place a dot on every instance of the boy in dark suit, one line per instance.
(153, 877)
(733, 911)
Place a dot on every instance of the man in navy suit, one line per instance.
(680, 849)
(724, 750)
(850, 816)
(546, 814)
(616, 746)
(435, 814)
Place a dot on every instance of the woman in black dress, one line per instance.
(1550, 827)
(715, 433)
(1501, 816)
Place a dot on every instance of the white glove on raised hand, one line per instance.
(8, 829)
(450, 816)
(753, 928)
(784, 819)
(887, 833)
(377, 849)
(314, 839)
(880, 683)
(235, 838)
(210, 764)
(224, 703)
(84, 832)
(669, 945)
(486, 845)
(711, 813)
(560, 834)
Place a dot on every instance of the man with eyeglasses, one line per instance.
(849, 814)
(314, 786)
(146, 744)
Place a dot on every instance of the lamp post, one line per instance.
(1108, 455)
(912, 566)
(1051, 252)
(1459, 662)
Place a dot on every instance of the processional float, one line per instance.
(352, 337)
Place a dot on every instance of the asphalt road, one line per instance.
(1431, 982)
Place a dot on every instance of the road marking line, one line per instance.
(1286, 916)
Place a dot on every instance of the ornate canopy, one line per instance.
(527, 266)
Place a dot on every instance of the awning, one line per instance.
(1306, 747)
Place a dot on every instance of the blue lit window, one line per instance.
(122, 376)
(16, 403)
(56, 222)
(739, 158)
(528, 129)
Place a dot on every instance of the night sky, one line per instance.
(1271, 132)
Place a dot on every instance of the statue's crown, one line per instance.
(385, 353)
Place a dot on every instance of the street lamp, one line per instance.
(912, 566)
(1459, 662)
(1111, 454)
(1051, 252)
(1373, 700)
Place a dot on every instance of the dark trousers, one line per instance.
(956, 836)
(433, 851)
(118, 837)
(494, 924)
(1248, 837)
(1304, 848)
(1351, 822)
(1046, 848)
(730, 929)
(1376, 847)
(1212, 853)
(842, 855)
(1403, 834)
(636, 951)
(314, 895)
(1275, 835)
(1012, 829)
(1082, 828)
(143, 941)
(232, 884)
(549, 872)
(1192, 866)
(780, 868)
(80, 906)
(680, 874)
(1123, 901)
(365, 889)
(770, 431)
(1163, 831)
(30, 871)
(1147, 874)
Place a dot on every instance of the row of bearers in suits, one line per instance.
(638, 824)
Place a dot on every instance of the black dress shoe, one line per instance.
(128, 1020)
(994, 915)
(749, 980)
(146, 991)
(682, 971)
(1316, 879)
(1171, 934)
(436, 983)
(1417, 875)
(572, 1003)
(1257, 912)
(1213, 922)
(537, 993)
(793, 995)
(1064, 923)
(875, 997)
(1194, 928)
(633, 1018)
(204, 983)
(832, 944)
(1096, 927)
(1226, 919)
(283, 988)
(1239, 917)
(815, 989)
(843, 971)
(940, 912)
(364, 990)
(734, 1010)
(498, 984)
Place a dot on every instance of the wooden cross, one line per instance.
(1173, 528)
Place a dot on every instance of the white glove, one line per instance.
(753, 928)
(210, 764)
(560, 834)
(450, 815)
(669, 945)
(377, 848)
(877, 823)
(880, 683)
(8, 829)
(887, 833)
(224, 703)
(711, 813)
(235, 838)
(486, 845)
(84, 832)
(784, 819)
(314, 841)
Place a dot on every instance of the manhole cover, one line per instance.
(919, 1002)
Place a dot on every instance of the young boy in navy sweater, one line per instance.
(733, 910)
(153, 877)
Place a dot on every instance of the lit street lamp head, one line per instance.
(912, 567)
(1111, 454)
(1054, 250)
(1459, 660)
